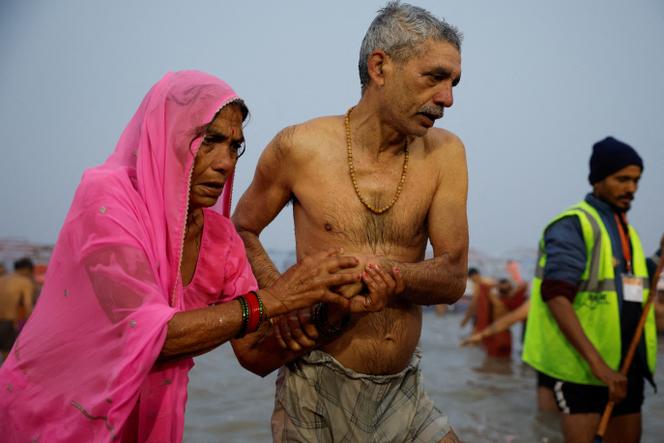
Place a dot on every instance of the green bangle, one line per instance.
(245, 316)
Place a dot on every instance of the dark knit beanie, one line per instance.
(611, 155)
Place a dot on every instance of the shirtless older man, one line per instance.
(16, 289)
(379, 182)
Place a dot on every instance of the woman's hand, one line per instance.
(309, 281)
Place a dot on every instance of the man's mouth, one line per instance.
(431, 115)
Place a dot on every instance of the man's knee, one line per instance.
(624, 429)
(579, 428)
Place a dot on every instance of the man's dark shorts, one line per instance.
(7, 335)
(573, 398)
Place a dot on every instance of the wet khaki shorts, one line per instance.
(318, 400)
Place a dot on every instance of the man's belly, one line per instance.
(381, 342)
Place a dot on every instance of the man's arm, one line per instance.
(569, 324)
(268, 193)
(442, 279)
(472, 306)
(27, 291)
(500, 325)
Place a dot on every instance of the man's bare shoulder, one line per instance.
(446, 155)
(15, 281)
(304, 140)
(23, 281)
(441, 142)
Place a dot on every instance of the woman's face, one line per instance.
(216, 158)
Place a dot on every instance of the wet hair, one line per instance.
(23, 263)
(473, 271)
(398, 29)
(504, 281)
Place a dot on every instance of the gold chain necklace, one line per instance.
(351, 169)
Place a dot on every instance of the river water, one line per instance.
(486, 400)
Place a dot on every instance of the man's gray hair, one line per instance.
(398, 29)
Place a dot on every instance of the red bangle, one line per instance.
(254, 312)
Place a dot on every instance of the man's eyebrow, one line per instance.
(444, 72)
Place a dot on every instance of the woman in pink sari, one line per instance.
(147, 272)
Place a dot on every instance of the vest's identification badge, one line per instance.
(632, 288)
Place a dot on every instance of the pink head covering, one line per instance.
(166, 127)
(113, 281)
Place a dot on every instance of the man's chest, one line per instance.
(327, 199)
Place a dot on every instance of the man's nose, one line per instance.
(632, 186)
(444, 97)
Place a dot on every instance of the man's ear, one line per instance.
(378, 64)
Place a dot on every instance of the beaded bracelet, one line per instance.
(326, 330)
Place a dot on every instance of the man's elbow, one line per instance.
(452, 288)
(457, 287)
(241, 228)
(255, 366)
(253, 362)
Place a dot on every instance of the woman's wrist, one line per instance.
(271, 305)
(253, 313)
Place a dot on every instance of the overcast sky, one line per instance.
(542, 81)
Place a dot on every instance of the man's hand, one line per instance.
(616, 382)
(382, 286)
(363, 262)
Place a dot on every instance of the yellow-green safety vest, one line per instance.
(596, 305)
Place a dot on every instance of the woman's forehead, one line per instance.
(227, 122)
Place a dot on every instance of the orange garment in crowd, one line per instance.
(496, 345)
(517, 299)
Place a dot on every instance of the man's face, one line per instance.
(419, 89)
(504, 288)
(216, 158)
(618, 189)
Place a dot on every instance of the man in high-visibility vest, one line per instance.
(590, 284)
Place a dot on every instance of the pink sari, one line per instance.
(84, 367)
